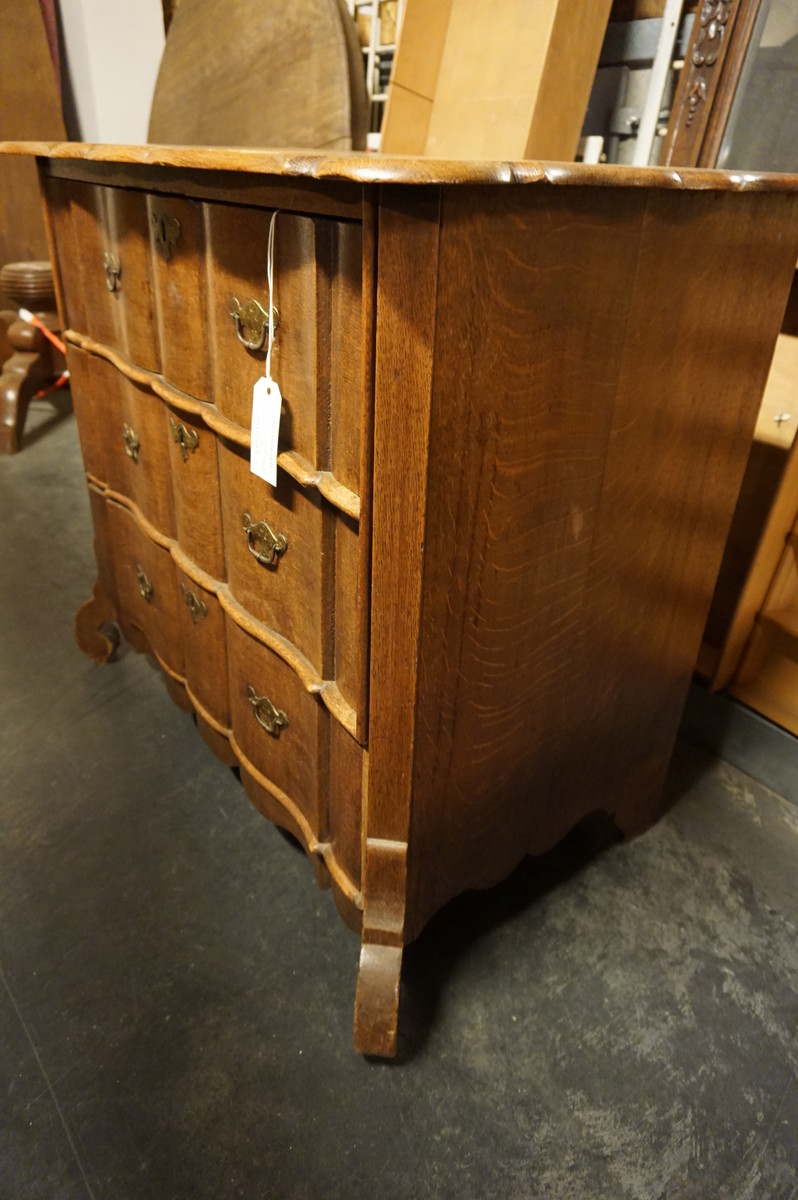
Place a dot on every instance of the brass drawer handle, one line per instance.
(252, 319)
(262, 542)
(268, 717)
(166, 234)
(145, 587)
(132, 443)
(113, 271)
(187, 439)
(196, 607)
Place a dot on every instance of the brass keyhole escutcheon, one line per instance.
(132, 443)
(197, 608)
(145, 587)
(262, 542)
(113, 270)
(268, 717)
(252, 322)
(166, 234)
(187, 439)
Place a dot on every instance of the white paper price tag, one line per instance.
(266, 404)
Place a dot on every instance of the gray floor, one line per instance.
(176, 999)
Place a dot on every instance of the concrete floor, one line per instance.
(176, 999)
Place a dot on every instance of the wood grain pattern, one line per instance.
(535, 108)
(288, 460)
(195, 491)
(346, 339)
(237, 241)
(406, 298)
(782, 516)
(295, 79)
(30, 106)
(132, 166)
(180, 293)
(158, 617)
(713, 64)
(574, 550)
(292, 594)
(297, 760)
(543, 489)
(205, 644)
(517, 445)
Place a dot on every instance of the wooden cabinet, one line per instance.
(517, 406)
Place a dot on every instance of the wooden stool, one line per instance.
(35, 361)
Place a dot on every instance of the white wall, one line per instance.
(113, 50)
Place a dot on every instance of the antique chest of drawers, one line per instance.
(517, 402)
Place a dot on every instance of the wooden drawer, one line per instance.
(289, 593)
(178, 243)
(139, 451)
(237, 244)
(318, 352)
(124, 436)
(195, 488)
(106, 264)
(146, 587)
(289, 746)
(96, 389)
(205, 646)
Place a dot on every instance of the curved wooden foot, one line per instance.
(96, 632)
(377, 999)
(377, 995)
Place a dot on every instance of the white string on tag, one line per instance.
(270, 281)
(267, 401)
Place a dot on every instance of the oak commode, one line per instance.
(517, 404)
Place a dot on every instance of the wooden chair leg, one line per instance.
(34, 361)
(23, 375)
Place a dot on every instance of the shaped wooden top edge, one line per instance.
(365, 168)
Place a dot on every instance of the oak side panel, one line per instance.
(406, 294)
(713, 278)
(528, 349)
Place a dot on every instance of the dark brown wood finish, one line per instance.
(505, 483)
(708, 81)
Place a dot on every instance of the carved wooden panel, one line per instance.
(706, 87)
